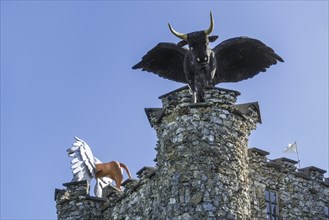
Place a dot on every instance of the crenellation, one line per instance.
(131, 185)
(313, 172)
(250, 111)
(257, 153)
(287, 165)
(204, 170)
(59, 193)
(146, 172)
(75, 202)
(78, 188)
(299, 196)
(154, 115)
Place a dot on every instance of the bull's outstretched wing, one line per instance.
(242, 58)
(165, 60)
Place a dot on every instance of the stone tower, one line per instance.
(204, 169)
(202, 154)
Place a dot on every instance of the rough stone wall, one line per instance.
(202, 162)
(203, 170)
(302, 194)
(202, 156)
(75, 202)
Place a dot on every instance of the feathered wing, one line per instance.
(83, 165)
(165, 60)
(242, 58)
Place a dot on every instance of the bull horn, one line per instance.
(177, 34)
(211, 28)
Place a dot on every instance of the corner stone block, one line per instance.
(130, 184)
(286, 163)
(313, 172)
(146, 172)
(75, 202)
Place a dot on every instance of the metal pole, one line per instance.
(297, 154)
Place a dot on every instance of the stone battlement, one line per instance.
(77, 193)
(204, 170)
(283, 164)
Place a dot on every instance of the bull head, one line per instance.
(198, 42)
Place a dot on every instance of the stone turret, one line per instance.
(202, 154)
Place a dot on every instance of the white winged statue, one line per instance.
(84, 166)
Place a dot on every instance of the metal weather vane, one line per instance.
(199, 66)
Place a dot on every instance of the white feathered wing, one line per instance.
(83, 165)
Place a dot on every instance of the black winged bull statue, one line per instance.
(199, 66)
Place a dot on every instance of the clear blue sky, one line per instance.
(66, 71)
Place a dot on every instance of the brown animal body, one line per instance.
(112, 170)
